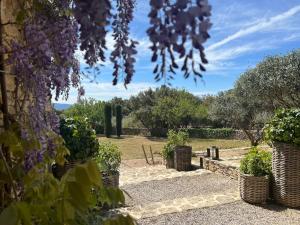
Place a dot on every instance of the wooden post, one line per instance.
(145, 154)
(217, 154)
(152, 155)
(201, 163)
(208, 152)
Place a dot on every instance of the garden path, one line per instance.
(156, 195)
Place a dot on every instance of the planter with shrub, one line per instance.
(176, 153)
(255, 169)
(81, 141)
(284, 134)
(109, 160)
(168, 155)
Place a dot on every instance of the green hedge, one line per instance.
(211, 133)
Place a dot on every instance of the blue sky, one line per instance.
(243, 33)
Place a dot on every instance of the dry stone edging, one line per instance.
(181, 204)
(151, 173)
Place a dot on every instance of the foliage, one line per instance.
(119, 120)
(168, 151)
(256, 162)
(44, 199)
(284, 127)
(108, 157)
(233, 109)
(91, 109)
(275, 81)
(167, 108)
(107, 120)
(210, 132)
(172, 24)
(179, 138)
(79, 138)
(42, 59)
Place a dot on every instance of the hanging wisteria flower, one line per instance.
(178, 26)
(124, 50)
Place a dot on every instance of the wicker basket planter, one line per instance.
(286, 174)
(58, 170)
(170, 162)
(110, 180)
(254, 189)
(183, 158)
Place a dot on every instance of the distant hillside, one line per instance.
(61, 106)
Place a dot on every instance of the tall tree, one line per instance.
(107, 120)
(119, 120)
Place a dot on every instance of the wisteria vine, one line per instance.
(122, 55)
(44, 62)
(178, 27)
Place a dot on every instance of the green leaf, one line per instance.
(10, 216)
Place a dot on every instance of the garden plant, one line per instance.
(255, 170)
(283, 131)
(38, 41)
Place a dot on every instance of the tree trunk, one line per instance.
(254, 140)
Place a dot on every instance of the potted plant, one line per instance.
(168, 155)
(176, 153)
(255, 169)
(80, 139)
(109, 160)
(283, 132)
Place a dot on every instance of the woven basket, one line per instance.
(253, 189)
(183, 158)
(286, 174)
(110, 180)
(170, 162)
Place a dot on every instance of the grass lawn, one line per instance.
(131, 146)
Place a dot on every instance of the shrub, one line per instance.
(119, 120)
(256, 162)
(79, 138)
(179, 138)
(284, 127)
(107, 120)
(211, 133)
(108, 157)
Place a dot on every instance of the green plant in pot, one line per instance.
(177, 143)
(109, 160)
(80, 138)
(255, 169)
(283, 133)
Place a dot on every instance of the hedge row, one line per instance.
(222, 133)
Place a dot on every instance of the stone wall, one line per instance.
(217, 167)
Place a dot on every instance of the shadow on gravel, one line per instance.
(272, 206)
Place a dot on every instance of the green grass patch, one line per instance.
(131, 146)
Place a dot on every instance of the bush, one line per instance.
(284, 127)
(108, 157)
(211, 133)
(256, 162)
(79, 138)
(119, 120)
(179, 138)
(107, 120)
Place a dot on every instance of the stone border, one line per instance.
(220, 168)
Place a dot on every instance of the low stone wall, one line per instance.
(217, 167)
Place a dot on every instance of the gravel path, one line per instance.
(156, 191)
(238, 213)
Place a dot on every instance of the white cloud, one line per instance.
(106, 91)
(257, 27)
